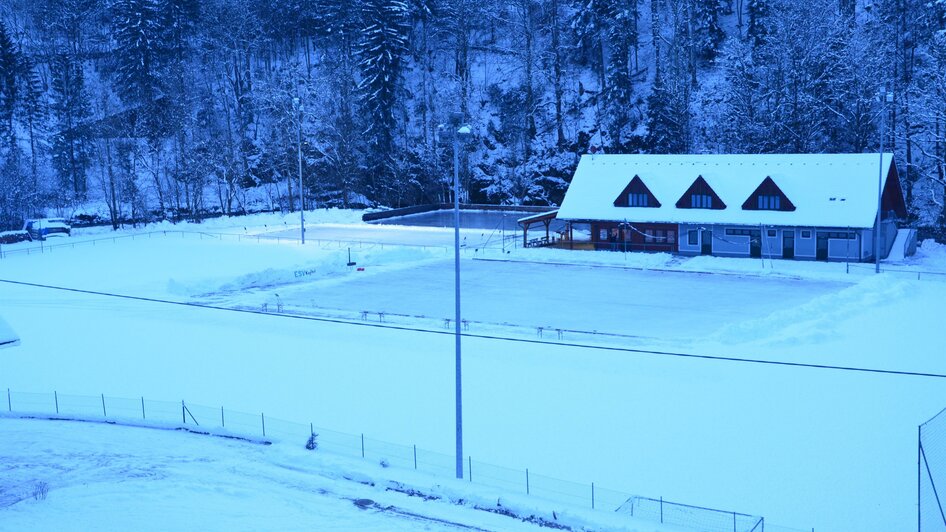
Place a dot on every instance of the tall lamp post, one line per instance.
(462, 133)
(885, 98)
(297, 103)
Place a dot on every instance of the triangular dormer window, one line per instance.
(636, 194)
(768, 197)
(700, 196)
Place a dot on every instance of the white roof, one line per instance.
(809, 181)
(8, 338)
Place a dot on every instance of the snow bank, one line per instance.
(318, 265)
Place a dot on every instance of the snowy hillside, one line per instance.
(154, 109)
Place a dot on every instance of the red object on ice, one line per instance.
(361, 269)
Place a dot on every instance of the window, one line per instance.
(701, 201)
(806, 234)
(771, 233)
(637, 199)
(769, 202)
(671, 236)
(837, 235)
(648, 235)
(692, 238)
(636, 194)
(739, 232)
(603, 235)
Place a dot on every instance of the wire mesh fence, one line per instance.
(409, 457)
(931, 474)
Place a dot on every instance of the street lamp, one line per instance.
(885, 97)
(297, 103)
(462, 133)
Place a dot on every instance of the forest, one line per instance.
(127, 111)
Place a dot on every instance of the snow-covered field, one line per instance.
(103, 477)
(829, 449)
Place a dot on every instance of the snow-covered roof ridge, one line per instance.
(828, 190)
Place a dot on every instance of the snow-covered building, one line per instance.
(807, 206)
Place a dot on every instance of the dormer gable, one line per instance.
(700, 196)
(636, 194)
(768, 197)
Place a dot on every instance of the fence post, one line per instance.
(263, 420)
(9, 403)
(222, 424)
(415, 457)
(734, 522)
(142, 407)
(592, 495)
(104, 414)
(470, 466)
(56, 398)
(527, 481)
(661, 509)
(183, 413)
(362, 445)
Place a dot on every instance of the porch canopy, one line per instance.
(544, 218)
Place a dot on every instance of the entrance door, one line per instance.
(788, 245)
(821, 250)
(755, 243)
(706, 246)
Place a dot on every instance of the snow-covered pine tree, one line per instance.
(708, 33)
(758, 11)
(380, 51)
(33, 111)
(10, 65)
(622, 38)
(13, 186)
(139, 34)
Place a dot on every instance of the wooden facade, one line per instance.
(621, 236)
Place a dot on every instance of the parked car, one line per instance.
(43, 228)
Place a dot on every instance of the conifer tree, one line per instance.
(380, 52)
(71, 148)
(139, 36)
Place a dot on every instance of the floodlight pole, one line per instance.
(884, 98)
(298, 103)
(458, 134)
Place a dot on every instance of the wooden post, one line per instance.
(142, 407)
(104, 414)
(56, 397)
